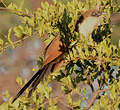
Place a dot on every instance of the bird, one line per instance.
(54, 52)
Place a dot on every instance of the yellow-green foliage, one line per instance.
(87, 60)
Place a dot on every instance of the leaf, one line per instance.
(40, 62)
(26, 11)
(77, 103)
(119, 43)
(19, 31)
(9, 37)
(21, 4)
(30, 21)
(28, 30)
(1, 41)
(44, 5)
(6, 95)
(12, 6)
(69, 99)
(19, 81)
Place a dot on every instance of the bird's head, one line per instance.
(88, 21)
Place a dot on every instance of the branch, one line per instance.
(17, 42)
(3, 3)
(96, 93)
(12, 10)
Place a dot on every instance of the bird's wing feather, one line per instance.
(53, 50)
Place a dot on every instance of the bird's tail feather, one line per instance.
(37, 81)
(32, 80)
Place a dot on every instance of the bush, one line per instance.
(92, 66)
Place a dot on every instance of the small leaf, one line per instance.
(9, 37)
(21, 4)
(1, 41)
(40, 62)
(6, 95)
(19, 81)
(69, 99)
(44, 5)
(119, 43)
(12, 6)
(19, 31)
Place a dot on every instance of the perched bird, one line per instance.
(54, 52)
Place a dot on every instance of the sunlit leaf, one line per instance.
(9, 37)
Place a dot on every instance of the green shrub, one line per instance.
(94, 60)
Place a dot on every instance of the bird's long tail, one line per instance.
(39, 78)
(34, 81)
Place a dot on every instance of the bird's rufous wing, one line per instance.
(53, 50)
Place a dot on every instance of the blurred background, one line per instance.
(20, 61)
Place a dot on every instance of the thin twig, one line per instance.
(8, 9)
(18, 41)
(96, 93)
(3, 3)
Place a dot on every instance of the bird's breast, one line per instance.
(88, 25)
